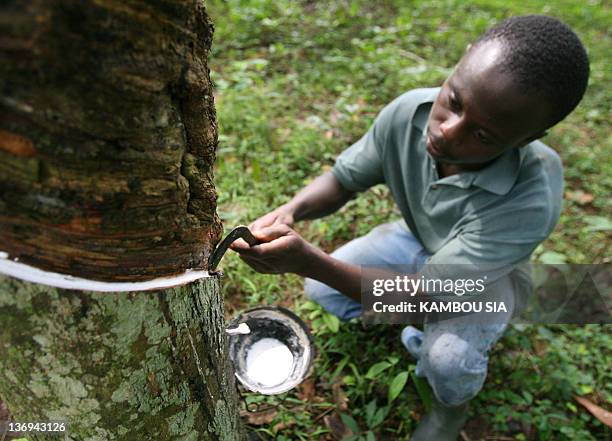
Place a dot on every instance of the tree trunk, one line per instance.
(118, 366)
(107, 137)
(107, 142)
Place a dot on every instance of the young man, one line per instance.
(472, 182)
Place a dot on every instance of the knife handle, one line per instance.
(239, 232)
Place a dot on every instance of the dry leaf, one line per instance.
(336, 426)
(282, 426)
(579, 196)
(16, 144)
(306, 390)
(261, 417)
(540, 347)
(601, 414)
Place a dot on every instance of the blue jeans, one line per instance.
(451, 354)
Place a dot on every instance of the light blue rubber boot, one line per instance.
(412, 339)
(442, 423)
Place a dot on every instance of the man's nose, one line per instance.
(451, 128)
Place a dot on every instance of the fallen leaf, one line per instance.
(16, 144)
(540, 347)
(579, 196)
(598, 412)
(306, 390)
(261, 417)
(337, 428)
(283, 425)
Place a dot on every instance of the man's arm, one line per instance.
(283, 250)
(321, 197)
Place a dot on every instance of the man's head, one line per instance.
(517, 80)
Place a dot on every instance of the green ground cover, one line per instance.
(296, 83)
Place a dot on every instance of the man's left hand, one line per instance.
(282, 251)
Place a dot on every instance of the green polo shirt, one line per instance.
(495, 216)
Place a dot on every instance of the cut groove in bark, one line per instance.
(35, 275)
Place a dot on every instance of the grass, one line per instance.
(296, 83)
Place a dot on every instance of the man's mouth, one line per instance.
(433, 148)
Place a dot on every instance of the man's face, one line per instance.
(480, 111)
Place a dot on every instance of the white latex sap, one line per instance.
(269, 362)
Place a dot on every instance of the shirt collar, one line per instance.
(421, 114)
(498, 178)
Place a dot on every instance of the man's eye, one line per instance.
(453, 102)
(482, 137)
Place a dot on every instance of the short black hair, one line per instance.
(546, 57)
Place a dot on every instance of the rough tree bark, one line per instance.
(108, 137)
(107, 141)
(118, 366)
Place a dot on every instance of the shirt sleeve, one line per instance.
(360, 166)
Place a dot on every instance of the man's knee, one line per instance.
(331, 300)
(456, 370)
(315, 290)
